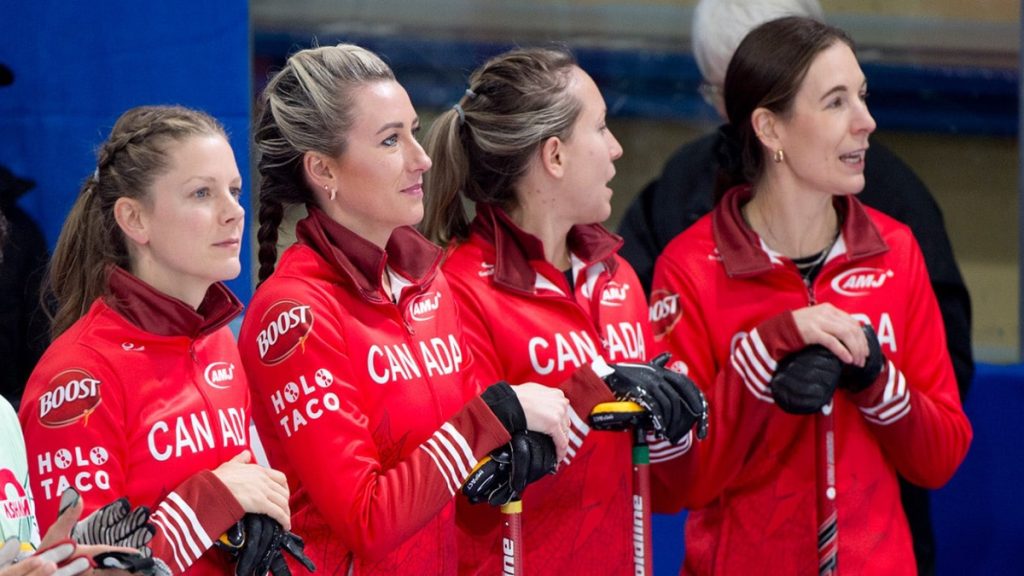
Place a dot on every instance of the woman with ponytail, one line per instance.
(141, 393)
(361, 378)
(545, 297)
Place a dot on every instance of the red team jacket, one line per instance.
(718, 298)
(524, 325)
(142, 397)
(366, 404)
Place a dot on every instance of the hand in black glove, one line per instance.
(504, 475)
(257, 541)
(805, 381)
(116, 524)
(673, 401)
(856, 378)
(694, 402)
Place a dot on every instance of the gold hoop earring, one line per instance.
(779, 157)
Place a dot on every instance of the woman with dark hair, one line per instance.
(809, 320)
(545, 297)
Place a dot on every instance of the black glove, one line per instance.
(257, 541)
(116, 524)
(673, 401)
(504, 403)
(856, 378)
(693, 398)
(804, 381)
(504, 475)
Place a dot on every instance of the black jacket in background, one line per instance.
(24, 328)
(685, 192)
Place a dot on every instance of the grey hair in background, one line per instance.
(720, 25)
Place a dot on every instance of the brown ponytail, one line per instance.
(444, 216)
(515, 102)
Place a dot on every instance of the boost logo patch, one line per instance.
(286, 325)
(72, 395)
(665, 312)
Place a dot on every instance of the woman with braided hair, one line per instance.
(142, 393)
(362, 383)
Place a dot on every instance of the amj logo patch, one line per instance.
(860, 281)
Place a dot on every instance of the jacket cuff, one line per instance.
(504, 403)
(479, 427)
(756, 356)
(780, 336)
(212, 503)
(887, 399)
(586, 388)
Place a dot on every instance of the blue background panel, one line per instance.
(78, 66)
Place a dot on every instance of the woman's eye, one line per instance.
(391, 140)
(236, 192)
(201, 193)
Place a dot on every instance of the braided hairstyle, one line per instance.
(308, 106)
(515, 102)
(128, 162)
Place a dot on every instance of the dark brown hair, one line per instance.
(767, 71)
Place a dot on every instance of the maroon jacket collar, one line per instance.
(740, 246)
(362, 262)
(515, 249)
(157, 313)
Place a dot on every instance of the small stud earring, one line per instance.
(332, 191)
(779, 157)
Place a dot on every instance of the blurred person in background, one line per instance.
(23, 325)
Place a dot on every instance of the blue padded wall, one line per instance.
(79, 65)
